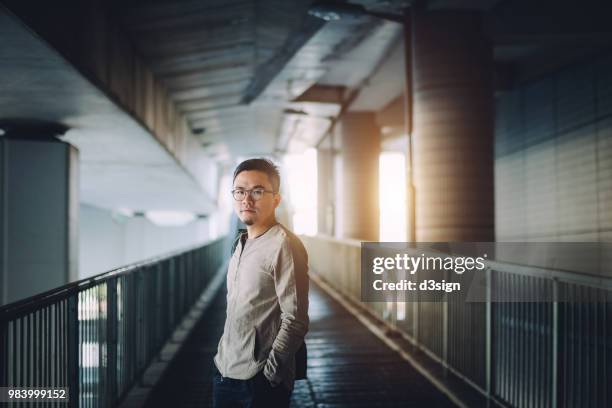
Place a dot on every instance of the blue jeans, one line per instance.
(255, 392)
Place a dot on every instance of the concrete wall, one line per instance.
(108, 241)
(553, 165)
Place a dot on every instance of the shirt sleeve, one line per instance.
(291, 285)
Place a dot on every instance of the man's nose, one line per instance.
(247, 197)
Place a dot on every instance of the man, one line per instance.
(267, 298)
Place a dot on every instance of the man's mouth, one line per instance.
(248, 210)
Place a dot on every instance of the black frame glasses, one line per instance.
(256, 194)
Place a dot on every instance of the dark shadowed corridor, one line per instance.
(347, 365)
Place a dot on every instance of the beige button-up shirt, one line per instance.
(267, 308)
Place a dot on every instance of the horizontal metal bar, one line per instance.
(25, 306)
(602, 282)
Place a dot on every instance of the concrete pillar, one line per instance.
(39, 213)
(453, 127)
(325, 193)
(359, 155)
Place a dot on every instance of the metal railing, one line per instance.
(519, 354)
(96, 336)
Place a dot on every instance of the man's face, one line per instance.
(253, 212)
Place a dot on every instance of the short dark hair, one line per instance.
(263, 165)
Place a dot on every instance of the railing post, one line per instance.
(73, 349)
(555, 343)
(415, 316)
(4, 353)
(140, 324)
(172, 278)
(159, 309)
(111, 339)
(445, 300)
(489, 335)
(183, 273)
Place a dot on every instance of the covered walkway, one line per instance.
(481, 127)
(348, 366)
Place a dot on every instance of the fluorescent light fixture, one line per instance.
(122, 214)
(335, 10)
(170, 218)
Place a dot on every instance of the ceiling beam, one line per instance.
(185, 82)
(212, 90)
(207, 71)
(266, 72)
(322, 94)
(217, 111)
(221, 44)
(208, 103)
(202, 62)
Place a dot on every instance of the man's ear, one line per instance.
(277, 200)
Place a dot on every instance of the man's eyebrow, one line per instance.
(257, 186)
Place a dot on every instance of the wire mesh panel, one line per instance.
(92, 308)
(522, 344)
(431, 330)
(585, 347)
(34, 350)
(430, 326)
(466, 338)
(538, 339)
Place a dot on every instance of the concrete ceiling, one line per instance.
(208, 53)
(252, 77)
(121, 165)
(211, 55)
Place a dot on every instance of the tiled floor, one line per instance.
(347, 365)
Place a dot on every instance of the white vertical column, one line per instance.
(39, 214)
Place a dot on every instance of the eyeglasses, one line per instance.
(256, 193)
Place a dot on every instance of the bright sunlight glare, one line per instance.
(392, 173)
(302, 182)
(392, 194)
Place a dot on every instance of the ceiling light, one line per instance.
(334, 10)
(126, 212)
(170, 218)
